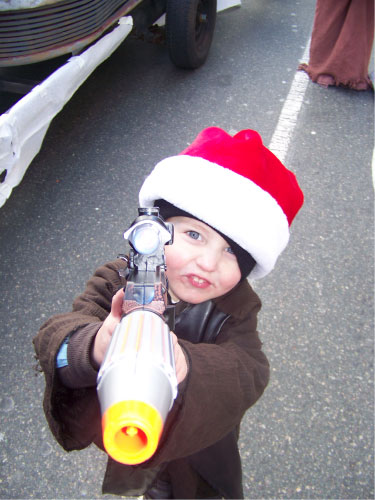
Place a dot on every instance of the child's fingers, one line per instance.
(180, 360)
(116, 306)
(174, 339)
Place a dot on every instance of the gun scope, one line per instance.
(149, 233)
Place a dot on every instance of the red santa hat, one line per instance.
(234, 184)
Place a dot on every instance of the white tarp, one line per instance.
(24, 125)
(227, 4)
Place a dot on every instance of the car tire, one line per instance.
(190, 26)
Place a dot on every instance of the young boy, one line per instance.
(231, 202)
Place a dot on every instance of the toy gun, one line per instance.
(137, 380)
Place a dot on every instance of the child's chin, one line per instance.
(193, 297)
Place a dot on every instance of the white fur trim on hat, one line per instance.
(225, 200)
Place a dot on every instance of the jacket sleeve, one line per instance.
(224, 380)
(74, 414)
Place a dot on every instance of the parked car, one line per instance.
(37, 34)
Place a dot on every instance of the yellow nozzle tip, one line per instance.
(131, 431)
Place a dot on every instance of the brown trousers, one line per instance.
(341, 42)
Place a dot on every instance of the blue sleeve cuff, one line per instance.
(62, 355)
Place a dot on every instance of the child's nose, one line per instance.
(208, 260)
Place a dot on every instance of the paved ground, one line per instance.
(311, 435)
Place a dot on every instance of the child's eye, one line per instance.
(230, 250)
(194, 234)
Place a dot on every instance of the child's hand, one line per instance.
(103, 337)
(179, 359)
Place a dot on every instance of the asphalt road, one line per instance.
(311, 434)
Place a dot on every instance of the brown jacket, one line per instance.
(224, 380)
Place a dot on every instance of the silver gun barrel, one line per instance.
(136, 386)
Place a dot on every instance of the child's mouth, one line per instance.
(198, 282)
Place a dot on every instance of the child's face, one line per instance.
(200, 263)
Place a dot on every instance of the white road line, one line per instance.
(283, 133)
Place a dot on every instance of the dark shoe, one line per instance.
(161, 488)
